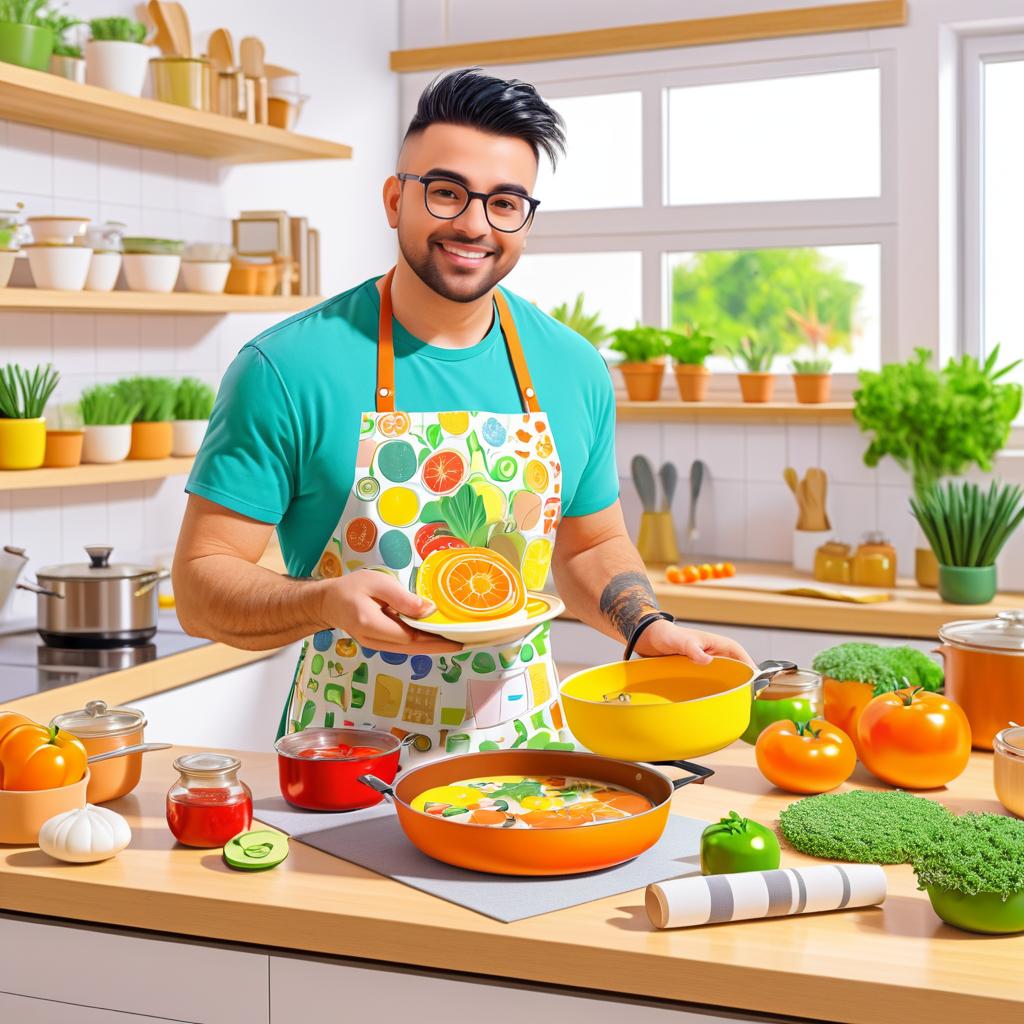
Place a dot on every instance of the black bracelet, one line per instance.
(645, 621)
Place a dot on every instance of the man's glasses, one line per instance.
(447, 199)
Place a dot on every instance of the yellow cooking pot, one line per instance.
(661, 709)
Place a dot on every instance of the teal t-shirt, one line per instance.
(281, 445)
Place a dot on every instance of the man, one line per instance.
(356, 429)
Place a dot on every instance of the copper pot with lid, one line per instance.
(985, 671)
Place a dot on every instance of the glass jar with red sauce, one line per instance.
(209, 804)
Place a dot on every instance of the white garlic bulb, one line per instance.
(84, 835)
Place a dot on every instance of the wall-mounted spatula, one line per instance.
(669, 477)
(643, 480)
(698, 470)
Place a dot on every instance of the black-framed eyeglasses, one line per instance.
(447, 199)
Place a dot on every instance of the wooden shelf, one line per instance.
(734, 412)
(150, 302)
(35, 97)
(81, 476)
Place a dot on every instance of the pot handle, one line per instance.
(941, 650)
(150, 581)
(135, 748)
(647, 620)
(377, 784)
(767, 671)
(34, 588)
(698, 772)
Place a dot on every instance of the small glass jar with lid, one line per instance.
(1008, 768)
(209, 804)
(792, 695)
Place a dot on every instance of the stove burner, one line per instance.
(95, 657)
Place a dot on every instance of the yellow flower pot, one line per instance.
(22, 443)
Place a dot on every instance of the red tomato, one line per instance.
(705, 570)
(805, 757)
(690, 574)
(914, 739)
(718, 570)
(673, 574)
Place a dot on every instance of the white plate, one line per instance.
(493, 631)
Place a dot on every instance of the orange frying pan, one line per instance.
(553, 851)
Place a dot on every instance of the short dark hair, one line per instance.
(496, 105)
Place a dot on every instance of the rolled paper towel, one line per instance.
(713, 899)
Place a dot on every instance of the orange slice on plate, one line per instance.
(475, 584)
(391, 424)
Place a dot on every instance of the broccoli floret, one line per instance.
(888, 668)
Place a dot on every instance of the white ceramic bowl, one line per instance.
(116, 65)
(496, 631)
(187, 436)
(151, 272)
(103, 271)
(7, 257)
(203, 276)
(57, 230)
(62, 267)
(107, 443)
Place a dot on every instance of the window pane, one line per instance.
(803, 137)
(790, 295)
(590, 177)
(1003, 225)
(609, 281)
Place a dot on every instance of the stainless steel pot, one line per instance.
(98, 604)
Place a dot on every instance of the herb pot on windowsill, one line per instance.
(757, 387)
(151, 440)
(22, 443)
(693, 380)
(812, 388)
(188, 436)
(117, 65)
(29, 46)
(63, 448)
(967, 584)
(106, 443)
(643, 380)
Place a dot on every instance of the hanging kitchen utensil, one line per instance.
(566, 850)
(643, 480)
(789, 474)
(698, 470)
(669, 477)
(813, 489)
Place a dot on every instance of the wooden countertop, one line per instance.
(892, 965)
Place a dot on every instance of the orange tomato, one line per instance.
(690, 574)
(38, 757)
(805, 757)
(718, 570)
(673, 574)
(728, 569)
(705, 570)
(914, 739)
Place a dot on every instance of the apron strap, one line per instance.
(385, 394)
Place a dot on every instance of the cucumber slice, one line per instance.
(367, 488)
(257, 850)
(505, 468)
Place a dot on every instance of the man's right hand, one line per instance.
(365, 605)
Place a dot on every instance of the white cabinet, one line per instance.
(24, 1010)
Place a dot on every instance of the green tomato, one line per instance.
(738, 844)
(764, 712)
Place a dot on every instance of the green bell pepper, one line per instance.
(738, 844)
(764, 712)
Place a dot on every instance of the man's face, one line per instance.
(464, 258)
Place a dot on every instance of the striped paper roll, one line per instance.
(713, 899)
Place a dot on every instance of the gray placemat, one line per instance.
(373, 839)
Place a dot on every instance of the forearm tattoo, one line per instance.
(626, 599)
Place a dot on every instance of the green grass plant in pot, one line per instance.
(967, 528)
(107, 416)
(115, 57)
(26, 38)
(753, 357)
(586, 324)
(689, 349)
(152, 430)
(23, 397)
(936, 424)
(812, 380)
(192, 407)
(643, 364)
(67, 60)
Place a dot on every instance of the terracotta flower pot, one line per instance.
(22, 443)
(643, 380)
(812, 388)
(63, 448)
(151, 440)
(693, 381)
(757, 387)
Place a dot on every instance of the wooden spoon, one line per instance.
(162, 39)
(221, 49)
(178, 26)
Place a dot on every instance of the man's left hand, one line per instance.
(666, 637)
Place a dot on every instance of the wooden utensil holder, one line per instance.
(656, 541)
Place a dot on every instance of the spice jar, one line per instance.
(793, 695)
(832, 563)
(1008, 768)
(874, 563)
(209, 804)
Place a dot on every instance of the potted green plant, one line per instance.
(66, 60)
(115, 57)
(936, 424)
(643, 365)
(154, 398)
(967, 528)
(586, 324)
(64, 437)
(688, 349)
(192, 407)
(26, 38)
(23, 397)
(107, 415)
(812, 380)
(753, 357)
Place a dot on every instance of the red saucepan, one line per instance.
(319, 769)
(547, 851)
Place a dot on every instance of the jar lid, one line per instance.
(99, 567)
(795, 679)
(1010, 741)
(207, 765)
(1004, 633)
(97, 719)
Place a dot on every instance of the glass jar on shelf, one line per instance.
(833, 563)
(874, 562)
(209, 804)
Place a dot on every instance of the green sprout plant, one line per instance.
(60, 24)
(691, 346)
(117, 30)
(194, 400)
(103, 405)
(24, 394)
(639, 344)
(24, 12)
(967, 526)
(753, 354)
(812, 366)
(154, 396)
(586, 324)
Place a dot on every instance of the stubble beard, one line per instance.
(425, 267)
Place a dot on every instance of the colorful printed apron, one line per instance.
(421, 479)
